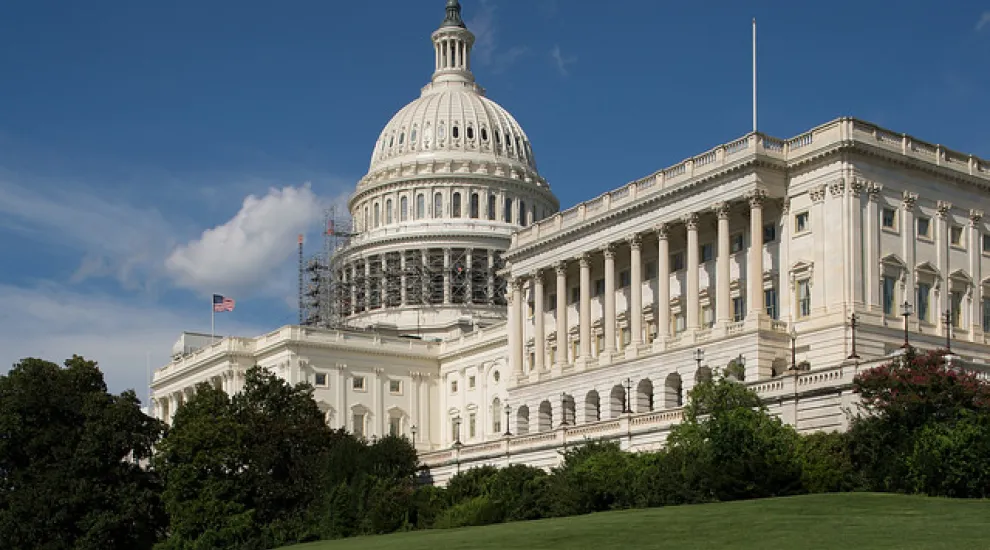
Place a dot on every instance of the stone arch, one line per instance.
(616, 401)
(673, 394)
(644, 396)
(522, 420)
(592, 407)
(545, 418)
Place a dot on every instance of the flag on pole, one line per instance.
(222, 303)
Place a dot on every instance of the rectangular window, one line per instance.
(474, 206)
(736, 243)
(677, 261)
(599, 287)
(986, 243)
(956, 308)
(770, 303)
(888, 295)
(497, 422)
(358, 383)
(924, 227)
(801, 222)
(707, 252)
(395, 387)
(769, 233)
(986, 315)
(738, 309)
(626, 336)
(804, 298)
(625, 278)
(471, 382)
(924, 295)
(394, 426)
(679, 323)
(651, 270)
(889, 218)
(552, 302)
(956, 235)
(707, 316)
(321, 379)
(600, 342)
(358, 424)
(472, 424)
(575, 295)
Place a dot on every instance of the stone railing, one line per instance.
(430, 226)
(827, 135)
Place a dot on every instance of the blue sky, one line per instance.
(154, 152)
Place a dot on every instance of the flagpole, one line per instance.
(754, 75)
(213, 316)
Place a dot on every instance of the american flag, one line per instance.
(221, 303)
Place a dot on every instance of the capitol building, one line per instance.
(476, 318)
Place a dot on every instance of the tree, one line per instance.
(71, 456)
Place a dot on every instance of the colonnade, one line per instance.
(605, 252)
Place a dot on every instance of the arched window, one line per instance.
(378, 214)
(507, 215)
(367, 219)
(437, 205)
(491, 206)
(420, 206)
(455, 206)
(404, 209)
(522, 213)
(388, 211)
(475, 206)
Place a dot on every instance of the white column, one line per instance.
(609, 321)
(754, 263)
(584, 309)
(562, 331)
(693, 305)
(723, 313)
(942, 226)
(908, 238)
(515, 327)
(539, 332)
(784, 251)
(873, 248)
(663, 283)
(975, 251)
(635, 293)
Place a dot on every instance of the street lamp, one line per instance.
(457, 431)
(853, 323)
(563, 409)
(948, 329)
(906, 311)
(627, 405)
(412, 429)
(699, 356)
(793, 335)
(507, 431)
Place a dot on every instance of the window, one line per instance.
(394, 426)
(651, 270)
(455, 132)
(507, 214)
(471, 382)
(707, 252)
(522, 213)
(321, 379)
(437, 205)
(484, 134)
(677, 261)
(475, 206)
(770, 303)
(470, 132)
(626, 336)
(496, 376)
(358, 424)
(924, 227)
(956, 235)
(889, 218)
(986, 243)
(924, 295)
(769, 233)
(801, 222)
(420, 206)
(491, 207)
(679, 323)
(956, 298)
(738, 309)
(888, 295)
(472, 424)
(413, 135)
(804, 298)
(395, 386)
(455, 206)
(378, 215)
(453, 386)
(575, 295)
(388, 211)
(552, 302)
(358, 383)
(625, 278)
(599, 287)
(986, 315)
(496, 421)
(736, 243)
(404, 209)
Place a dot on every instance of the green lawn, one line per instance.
(843, 521)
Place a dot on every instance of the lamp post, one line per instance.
(793, 335)
(948, 328)
(627, 408)
(906, 311)
(457, 431)
(699, 356)
(853, 323)
(412, 430)
(507, 431)
(563, 409)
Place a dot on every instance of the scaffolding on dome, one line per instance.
(323, 288)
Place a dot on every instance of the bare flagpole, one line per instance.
(754, 75)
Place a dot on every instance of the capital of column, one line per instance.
(636, 241)
(538, 275)
(975, 216)
(837, 186)
(817, 193)
(691, 221)
(662, 230)
(908, 200)
(756, 197)
(857, 185)
(785, 206)
(721, 210)
(560, 267)
(609, 251)
(873, 189)
(584, 260)
(943, 208)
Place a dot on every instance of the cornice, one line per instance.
(433, 239)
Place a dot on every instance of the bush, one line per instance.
(593, 477)
(952, 460)
(470, 513)
(826, 464)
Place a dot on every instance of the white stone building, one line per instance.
(536, 328)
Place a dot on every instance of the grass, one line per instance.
(851, 520)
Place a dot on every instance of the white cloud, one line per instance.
(561, 61)
(52, 322)
(249, 251)
(984, 21)
(486, 50)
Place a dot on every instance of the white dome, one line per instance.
(451, 121)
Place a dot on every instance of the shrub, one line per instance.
(593, 477)
(952, 460)
(470, 513)
(826, 464)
